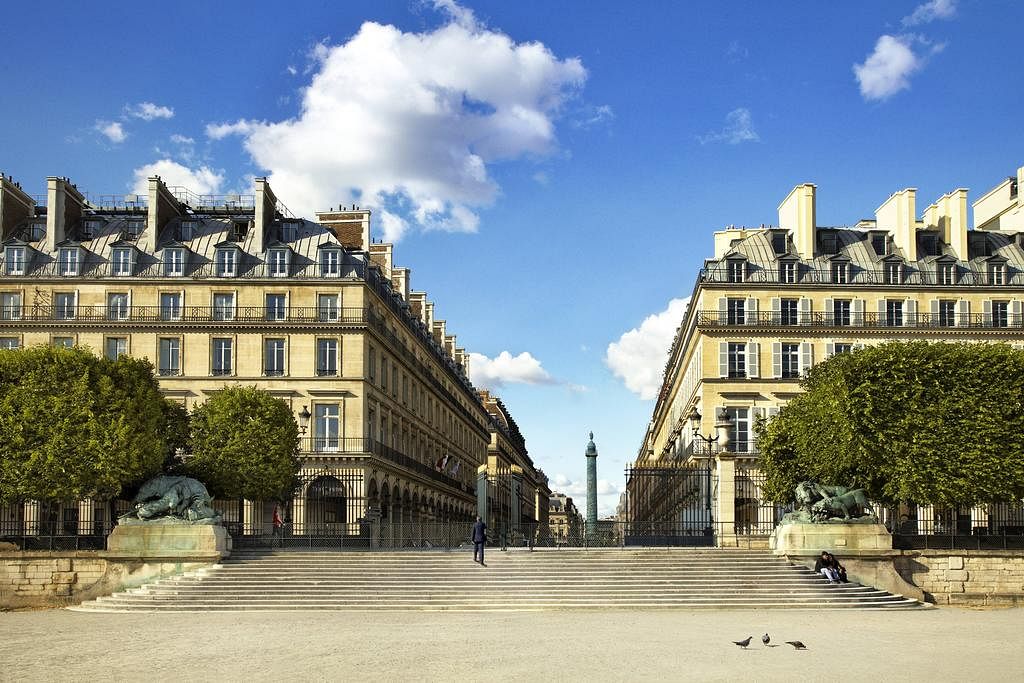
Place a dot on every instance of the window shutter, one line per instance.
(753, 359)
(723, 310)
(934, 309)
(776, 310)
(910, 313)
(881, 310)
(830, 350)
(857, 307)
(723, 359)
(805, 311)
(772, 412)
(858, 346)
(1015, 313)
(986, 313)
(751, 312)
(806, 356)
(963, 313)
(776, 359)
(755, 415)
(829, 312)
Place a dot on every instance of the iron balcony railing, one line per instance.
(863, 277)
(714, 318)
(187, 314)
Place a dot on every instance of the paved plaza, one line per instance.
(938, 644)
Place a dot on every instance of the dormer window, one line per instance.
(289, 231)
(928, 244)
(122, 261)
(69, 261)
(787, 272)
(829, 243)
(330, 262)
(35, 231)
(779, 243)
(14, 260)
(841, 273)
(880, 244)
(893, 273)
(947, 274)
(132, 229)
(736, 270)
(277, 262)
(174, 262)
(90, 228)
(227, 262)
(187, 229)
(239, 230)
(996, 274)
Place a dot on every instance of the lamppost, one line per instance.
(723, 425)
(304, 420)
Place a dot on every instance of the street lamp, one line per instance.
(723, 425)
(304, 420)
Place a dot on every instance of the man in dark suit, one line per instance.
(479, 539)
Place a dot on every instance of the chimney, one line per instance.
(382, 254)
(400, 281)
(163, 208)
(797, 214)
(15, 206)
(949, 215)
(64, 206)
(449, 345)
(898, 215)
(439, 333)
(418, 304)
(1002, 207)
(351, 227)
(266, 212)
(428, 315)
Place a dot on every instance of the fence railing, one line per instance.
(186, 314)
(855, 275)
(874, 319)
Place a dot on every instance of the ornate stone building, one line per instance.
(565, 519)
(774, 300)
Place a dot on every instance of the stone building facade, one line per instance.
(565, 519)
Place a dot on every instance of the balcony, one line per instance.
(249, 315)
(872, 320)
(862, 277)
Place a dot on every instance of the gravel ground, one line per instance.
(603, 645)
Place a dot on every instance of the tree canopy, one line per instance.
(924, 422)
(245, 444)
(74, 426)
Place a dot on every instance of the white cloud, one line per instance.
(181, 139)
(638, 358)
(591, 116)
(113, 130)
(505, 368)
(147, 111)
(201, 180)
(887, 70)
(410, 122)
(739, 127)
(607, 493)
(930, 11)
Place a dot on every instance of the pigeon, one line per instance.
(766, 639)
(743, 643)
(797, 645)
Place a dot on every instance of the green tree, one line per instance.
(245, 444)
(74, 426)
(924, 422)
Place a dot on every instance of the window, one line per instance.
(790, 361)
(278, 262)
(947, 313)
(121, 262)
(997, 274)
(788, 311)
(841, 312)
(737, 360)
(736, 312)
(326, 357)
(277, 306)
(10, 306)
(187, 230)
(383, 372)
(174, 262)
(90, 228)
(841, 273)
(170, 305)
(893, 273)
(739, 437)
(117, 306)
(224, 306)
(68, 261)
(879, 244)
(829, 243)
(787, 271)
(289, 231)
(170, 357)
(133, 229)
(64, 305)
(779, 243)
(373, 364)
(894, 312)
(1000, 314)
(736, 270)
(227, 263)
(326, 426)
(65, 342)
(14, 260)
(842, 348)
(330, 262)
(947, 274)
(116, 347)
(328, 306)
(222, 356)
(9, 343)
(273, 357)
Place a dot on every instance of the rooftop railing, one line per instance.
(950, 321)
(857, 277)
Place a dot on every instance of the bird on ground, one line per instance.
(766, 639)
(797, 645)
(743, 643)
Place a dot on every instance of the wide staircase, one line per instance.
(514, 580)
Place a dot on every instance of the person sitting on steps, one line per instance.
(823, 565)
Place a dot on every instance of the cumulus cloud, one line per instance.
(411, 122)
(739, 127)
(607, 493)
(505, 368)
(147, 111)
(930, 11)
(887, 70)
(638, 357)
(112, 130)
(202, 180)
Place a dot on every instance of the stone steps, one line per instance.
(515, 580)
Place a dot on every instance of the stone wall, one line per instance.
(966, 577)
(61, 578)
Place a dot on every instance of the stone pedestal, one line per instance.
(158, 540)
(802, 538)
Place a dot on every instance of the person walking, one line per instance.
(479, 540)
(278, 527)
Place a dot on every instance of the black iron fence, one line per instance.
(860, 319)
(856, 275)
(991, 526)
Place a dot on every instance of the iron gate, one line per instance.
(670, 504)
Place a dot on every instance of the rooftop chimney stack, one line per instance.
(64, 206)
(351, 227)
(163, 208)
(949, 215)
(797, 214)
(898, 215)
(15, 206)
(266, 212)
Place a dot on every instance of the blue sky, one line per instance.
(552, 172)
